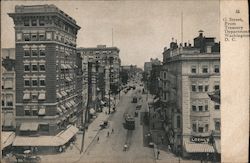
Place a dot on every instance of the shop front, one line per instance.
(44, 143)
(198, 148)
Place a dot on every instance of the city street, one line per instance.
(110, 148)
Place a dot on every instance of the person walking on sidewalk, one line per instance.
(97, 139)
(108, 134)
(158, 153)
(112, 131)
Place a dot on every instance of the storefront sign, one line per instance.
(199, 139)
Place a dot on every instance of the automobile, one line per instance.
(104, 124)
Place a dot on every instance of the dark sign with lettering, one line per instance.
(199, 139)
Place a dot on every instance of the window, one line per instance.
(34, 53)
(26, 37)
(34, 22)
(26, 22)
(206, 88)
(48, 35)
(200, 129)
(206, 107)
(34, 82)
(164, 75)
(44, 127)
(42, 82)
(217, 126)
(200, 88)
(216, 87)
(19, 36)
(26, 67)
(2, 102)
(9, 103)
(34, 68)
(34, 112)
(200, 108)
(34, 97)
(178, 122)
(194, 88)
(194, 127)
(33, 37)
(42, 53)
(41, 22)
(204, 69)
(41, 37)
(42, 67)
(27, 112)
(26, 82)
(193, 107)
(217, 107)
(216, 68)
(193, 69)
(27, 53)
(206, 128)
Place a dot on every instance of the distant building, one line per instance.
(148, 65)
(106, 62)
(189, 73)
(48, 89)
(8, 96)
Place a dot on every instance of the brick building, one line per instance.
(8, 96)
(48, 76)
(105, 63)
(189, 73)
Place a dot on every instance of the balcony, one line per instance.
(200, 114)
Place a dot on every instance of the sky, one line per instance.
(141, 29)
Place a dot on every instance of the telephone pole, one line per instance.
(86, 120)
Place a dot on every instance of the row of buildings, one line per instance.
(52, 87)
(187, 76)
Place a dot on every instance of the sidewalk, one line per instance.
(166, 156)
(72, 153)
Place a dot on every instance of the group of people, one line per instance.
(112, 131)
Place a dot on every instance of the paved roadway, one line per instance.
(110, 149)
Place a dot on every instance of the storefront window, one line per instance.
(200, 129)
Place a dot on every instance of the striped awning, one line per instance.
(63, 108)
(41, 96)
(58, 95)
(64, 93)
(198, 147)
(7, 139)
(26, 96)
(63, 66)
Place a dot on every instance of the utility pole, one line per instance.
(86, 120)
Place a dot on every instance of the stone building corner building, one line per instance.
(189, 73)
(48, 90)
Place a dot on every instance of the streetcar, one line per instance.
(130, 123)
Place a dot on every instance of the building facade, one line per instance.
(105, 69)
(8, 96)
(189, 73)
(48, 86)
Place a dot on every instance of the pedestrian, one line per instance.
(125, 147)
(112, 131)
(98, 139)
(108, 134)
(169, 148)
(158, 153)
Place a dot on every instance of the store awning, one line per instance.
(68, 79)
(45, 141)
(68, 105)
(64, 93)
(68, 66)
(102, 102)
(26, 96)
(198, 147)
(41, 96)
(63, 108)
(7, 139)
(67, 134)
(29, 126)
(72, 102)
(58, 95)
(218, 145)
(41, 111)
(63, 66)
(59, 110)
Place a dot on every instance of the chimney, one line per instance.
(201, 33)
